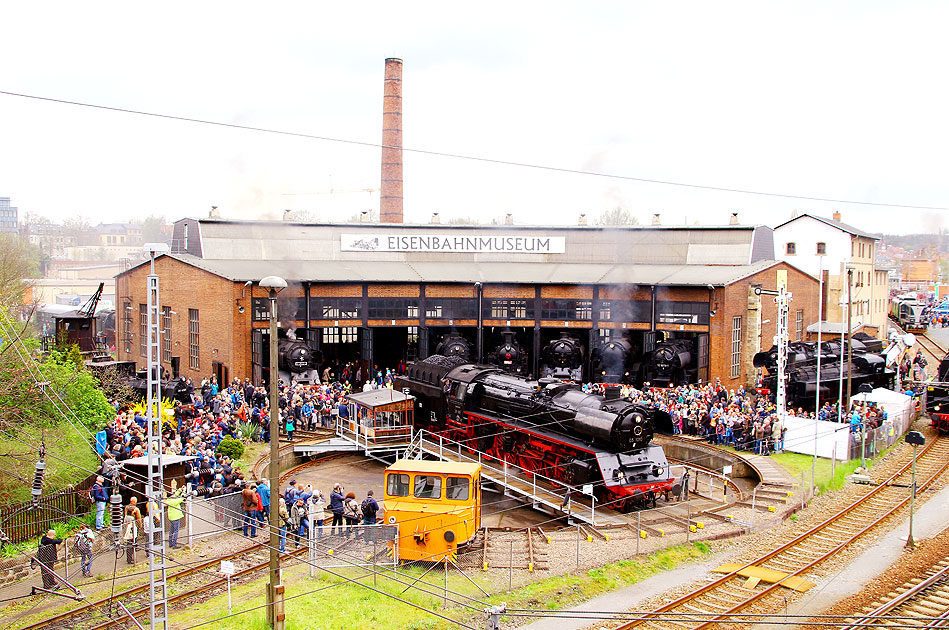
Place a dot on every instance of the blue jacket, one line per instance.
(264, 492)
(98, 493)
(336, 502)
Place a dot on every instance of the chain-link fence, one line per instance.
(347, 545)
(207, 516)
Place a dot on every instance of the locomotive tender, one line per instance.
(548, 427)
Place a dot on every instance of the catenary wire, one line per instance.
(457, 156)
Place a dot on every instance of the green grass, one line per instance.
(69, 458)
(796, 463)
(344, 605)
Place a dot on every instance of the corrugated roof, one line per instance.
(458, 271)
(837, 224)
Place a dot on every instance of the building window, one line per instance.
(605, 311)
(605, 335)
(413, 334)
(791, 249)
(186, 238)
(348, 334)
(331, 335)
(143, 330)
(193, 338)
(799, 325)
(584, 309)
(821, 249)
(166, 334)
(256, 347)
(736, 347)
(433, 311)
(508, 309)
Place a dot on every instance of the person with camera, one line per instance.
(336, 507)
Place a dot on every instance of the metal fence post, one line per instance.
(578, 547)
(374, 572)
(688, 522)
(639, 529)
(311, 542)
(510, 571)
(189, 504)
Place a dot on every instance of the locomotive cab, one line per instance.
(435, 505)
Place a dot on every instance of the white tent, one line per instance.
(899, 407)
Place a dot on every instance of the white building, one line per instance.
(830, 248)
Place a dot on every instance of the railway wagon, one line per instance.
(436, 506)
(906, 311)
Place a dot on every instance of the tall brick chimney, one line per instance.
(390, 201)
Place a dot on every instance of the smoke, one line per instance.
(933, 223)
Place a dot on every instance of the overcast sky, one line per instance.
(842, 100)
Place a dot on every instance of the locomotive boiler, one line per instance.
(509, 355)
(671, 363)
(563, 359)
(866, 368)
(295, 356)
(611, 362)
(454, 345)
(547, 427)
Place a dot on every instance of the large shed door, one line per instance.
(703, 357)
(366, 345)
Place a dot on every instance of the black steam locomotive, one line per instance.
(671, 363)
(173, 389)
(563, 359)
(294, 355)
(611, 363)
(548, 427)
(509, 356)
(454, 345)
(867, 368)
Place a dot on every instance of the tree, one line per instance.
(152, 229)
(19, 261)
(617, 216)
(80, 227)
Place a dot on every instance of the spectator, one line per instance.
(129, 536)
(100, 498)
(84, 538)
(263, 491)
(249, 505)
(298, 517)
(285, 524)
(174, 516)
(47, 554)
(336, 507)
(351, 512)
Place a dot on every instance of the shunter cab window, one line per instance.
(428, 487)
(397, 485)
(456, 488)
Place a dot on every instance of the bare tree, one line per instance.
(617, 216)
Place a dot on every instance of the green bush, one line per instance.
(231, 447)
(247, 430)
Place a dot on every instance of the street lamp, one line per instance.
(916, 439)
(275, 613)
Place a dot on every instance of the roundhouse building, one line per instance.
(389, 293)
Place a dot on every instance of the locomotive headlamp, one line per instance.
(658, 471)
(392, 520)
(449, 536)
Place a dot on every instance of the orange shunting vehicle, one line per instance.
(436, 506)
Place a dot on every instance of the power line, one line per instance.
(472, 158)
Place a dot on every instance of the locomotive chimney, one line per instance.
(509, 219)
(436, 218)
(583, 220)
(733, 220)
(655, 219)
(390, 200)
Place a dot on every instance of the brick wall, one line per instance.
(738, 299)
(182, 287)
(394, 290)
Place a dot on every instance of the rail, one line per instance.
(873, 617)
(721, 613)
(537, 488)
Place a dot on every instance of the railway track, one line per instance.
(738, 595)
(923, 602)
(933, 347)
(85, 615)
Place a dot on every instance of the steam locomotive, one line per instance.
(867, 368)
(611, 363)
(671, 363)
(546, 426)
(509, 355)
(563, 359)
(295, 356)
(173, 389)
(454, 345)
